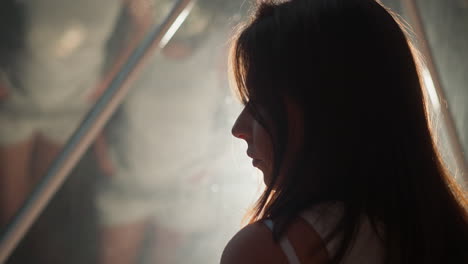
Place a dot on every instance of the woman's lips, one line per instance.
(255, 161)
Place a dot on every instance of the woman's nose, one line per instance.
(240, 129)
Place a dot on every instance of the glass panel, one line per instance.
(175, 193)
(56, 56)
(161, 184)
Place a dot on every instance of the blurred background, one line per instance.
(163, 181)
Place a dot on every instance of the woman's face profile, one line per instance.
(259, 143)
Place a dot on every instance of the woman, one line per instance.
(335, 118)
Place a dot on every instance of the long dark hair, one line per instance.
(351, 69)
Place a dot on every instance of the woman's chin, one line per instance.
(266, 174)
(266, 178)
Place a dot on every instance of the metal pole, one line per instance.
(446, 117)
(90, 128)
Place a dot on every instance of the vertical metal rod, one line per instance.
(89, 130)
(446, 117)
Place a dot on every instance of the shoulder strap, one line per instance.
(285, 245)
(366, 248)
(323, 218)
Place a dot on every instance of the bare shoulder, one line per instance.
(253, 244)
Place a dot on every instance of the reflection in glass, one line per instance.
(171, 168)
(161, 184)
(47, 85)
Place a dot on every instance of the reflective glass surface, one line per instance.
(161, 183)
(56, 58)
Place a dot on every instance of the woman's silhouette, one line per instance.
(335, 118)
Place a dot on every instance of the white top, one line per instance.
(366, 248)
